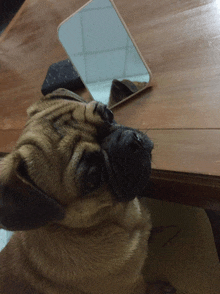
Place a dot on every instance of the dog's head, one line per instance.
(71, 165)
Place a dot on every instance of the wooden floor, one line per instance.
(180, 41)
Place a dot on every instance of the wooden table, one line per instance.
(180, 41)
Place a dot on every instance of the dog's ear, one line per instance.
(23, 206)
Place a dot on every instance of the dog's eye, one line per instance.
(23, 171)
(93, 178)
(91, 171)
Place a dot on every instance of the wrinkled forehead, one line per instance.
(52, 110)
(51, 120)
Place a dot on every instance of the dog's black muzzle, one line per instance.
(128, 160)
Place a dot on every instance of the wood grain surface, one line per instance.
(179, 40)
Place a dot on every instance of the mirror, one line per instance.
(103, 52)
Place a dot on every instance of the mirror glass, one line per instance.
(103, 52)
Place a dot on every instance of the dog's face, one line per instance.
(71, 165)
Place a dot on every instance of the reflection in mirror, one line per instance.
(103, 53)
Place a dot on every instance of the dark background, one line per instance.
(8, 9)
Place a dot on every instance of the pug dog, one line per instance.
(69, 190)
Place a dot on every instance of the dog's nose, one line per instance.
(131, 139)
(136, 141)
(128, 161)
(105, 113)
(128, 139)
